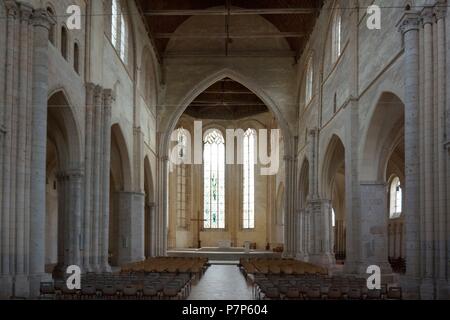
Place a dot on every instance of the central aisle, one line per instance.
(222, 282)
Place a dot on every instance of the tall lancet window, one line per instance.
(396, 199)
(336, 45)
(309, 81)
(119, 30)
(182, 180)
(214, 180)
(249, 179)
(115, 15)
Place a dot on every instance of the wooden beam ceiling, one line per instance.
(226, 100)
(175, 35)
(295, 20)
(232, 12)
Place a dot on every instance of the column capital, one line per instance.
(440, 9)
(75, 173)
(40, 18)
(26, 11)
(427, 15)
(98, 91)
(61, 175)
(408, 22)
(90, 87)
(313, 131)
(12, 9)
(108, 97)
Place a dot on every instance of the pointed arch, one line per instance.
(148, 78)
(383, 134)
(333, 162)
(62, 121)
(120, 159)
(210, 80)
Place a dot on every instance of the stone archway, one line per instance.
(303, 218)
(63, 186)
(126, 219)
(382, 157)
(333, 200)
(149, 210)
(168, 125)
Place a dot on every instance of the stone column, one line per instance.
(165, 205)
(21, 284)
(440, 11)
(88, 183)
(353, 197)
(74, 219)
(106, 161)
(302, 231)
(131, 227)
(320, 248)
(149, 221)
(96, 178)
(162, 207)
(374, 226)
(6, 254)
(290, 234)
(62, 219)
(41, 23)
(409, 26)
(428, 114)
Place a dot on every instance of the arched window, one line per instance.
(333, 218)
(182, 180)
(123, 39)
(396, 198)
(76, 57)
(309, 81)
(64, 43)
(336, 36)
(119, 30)
(52, 31)
(249, 179)
(115, 15)
(214, 180)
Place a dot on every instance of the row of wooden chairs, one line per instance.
(150, 286)
(318, 287)
(279, 266)
(196, 266)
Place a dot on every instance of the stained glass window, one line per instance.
(249, 179)
(214, 180)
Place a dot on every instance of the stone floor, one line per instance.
(222, 282)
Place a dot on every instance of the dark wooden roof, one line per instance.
(226, 100)
(294, 19)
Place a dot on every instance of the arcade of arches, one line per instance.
(91, 120)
